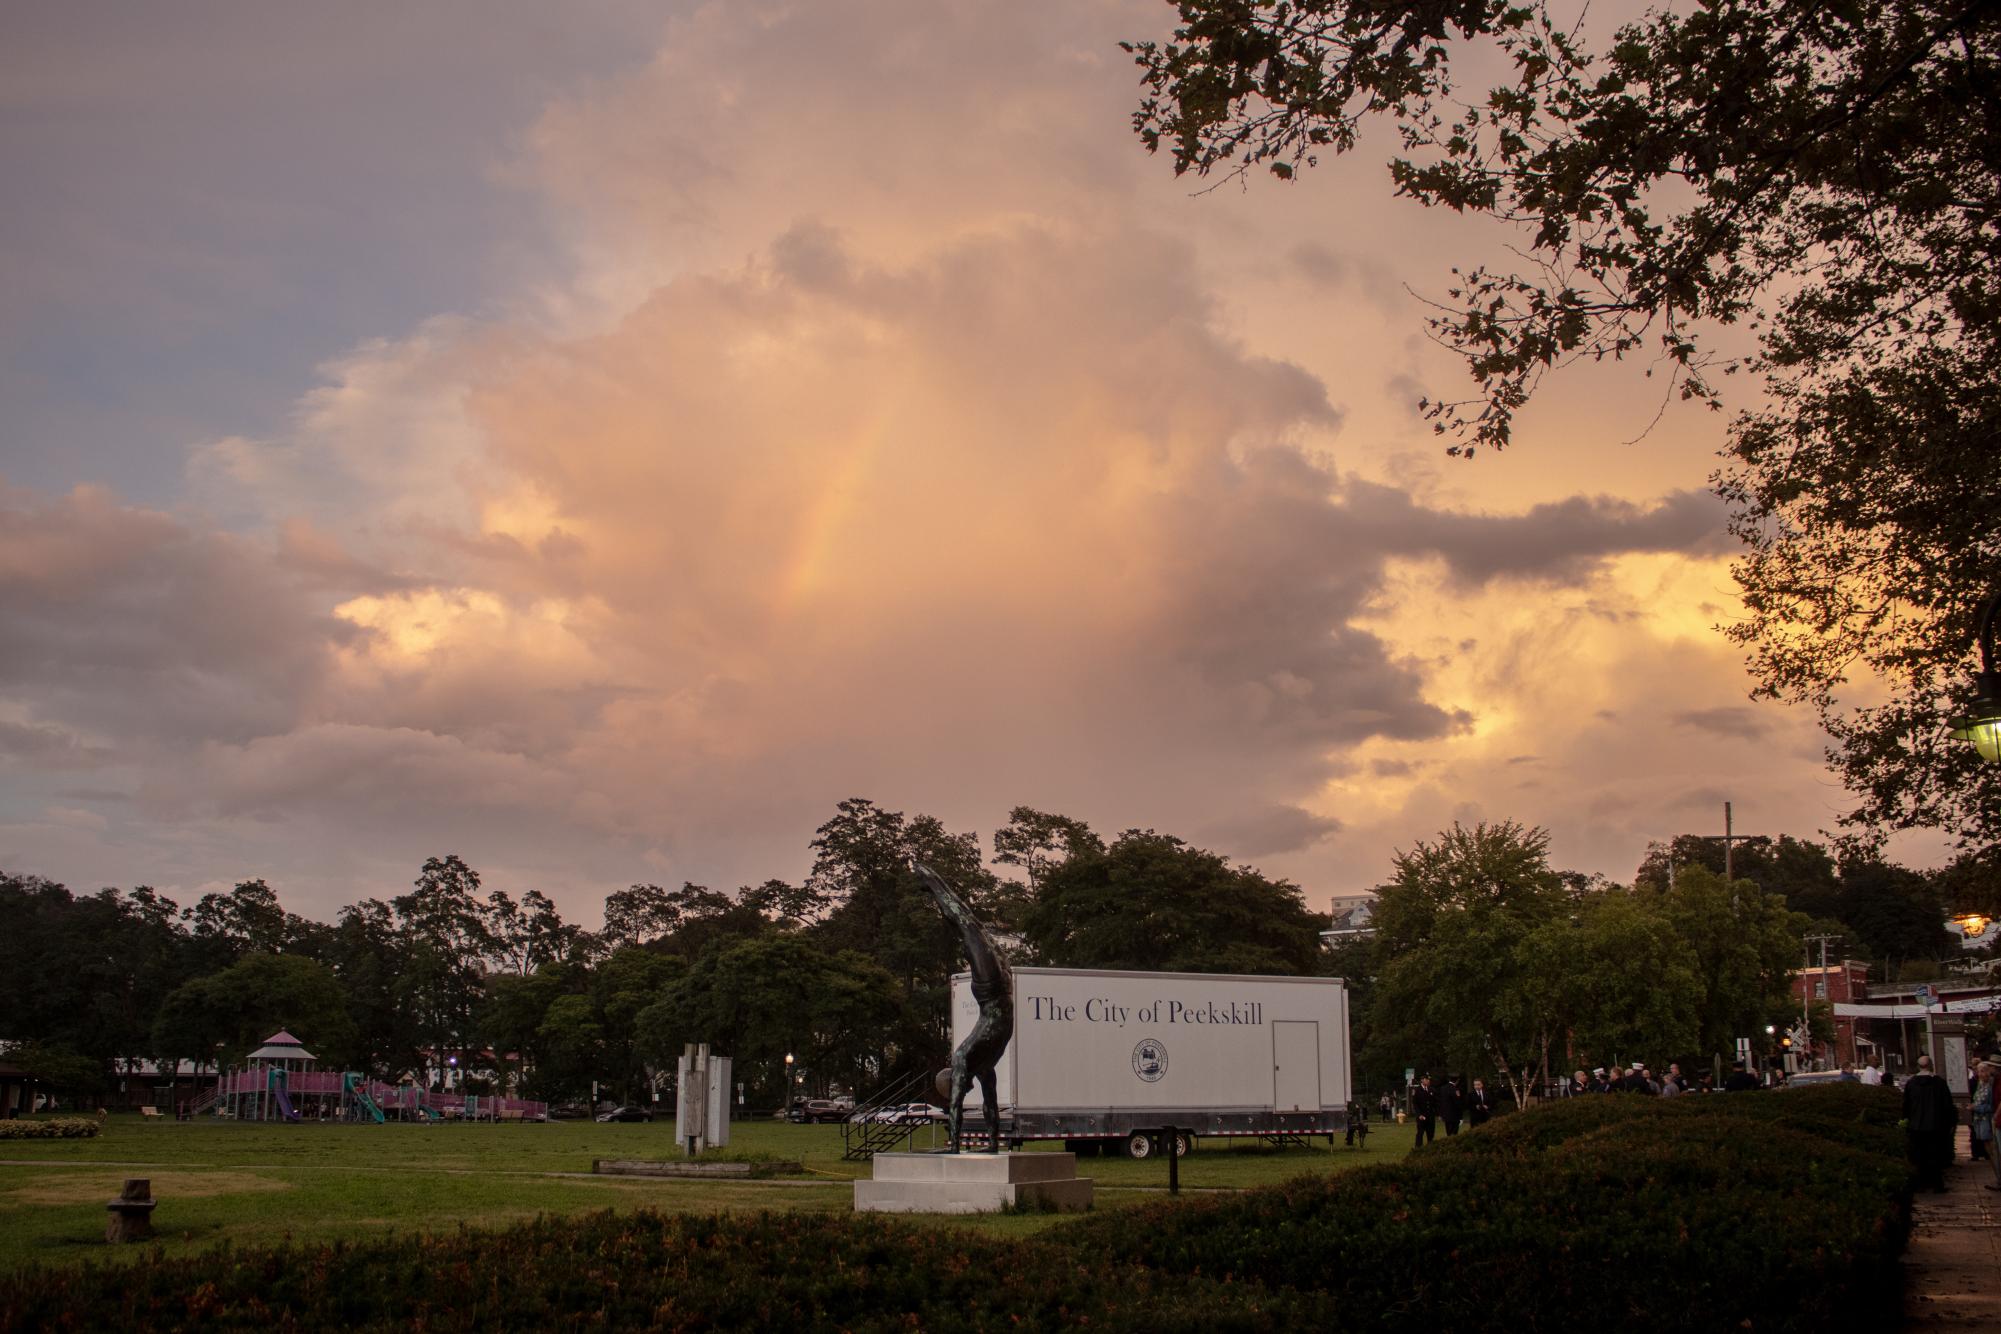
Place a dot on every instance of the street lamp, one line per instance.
(788, 1083)
(1982, 726)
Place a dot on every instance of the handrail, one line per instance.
(863, 1136)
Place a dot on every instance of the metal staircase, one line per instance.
(871, 1129)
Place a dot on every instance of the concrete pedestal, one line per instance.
(971, 1183)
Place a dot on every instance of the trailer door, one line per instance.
(1295, 1062)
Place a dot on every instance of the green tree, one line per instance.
(510, 1020)
(877, 907)
(1824, 173)
(1038, 842)
(1634, 989)
(839, 1014)
(250, 1000)
(1746, 945)
(1152, 902)
(368, 952)
(58, 1069)
(447, 938)
(86, 973)
(1458, 977)
(622, 986)
(570, 1045)
(1891, 912)
(222, 928)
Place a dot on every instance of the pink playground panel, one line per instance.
(389, 1097)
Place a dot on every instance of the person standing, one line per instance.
(1929, 1120)
(1872, 1073)
(1451, 1105)
(1580, 1084)
(1741, 1080)
(1673, 1086)
(1478, 1107)
(1387, 1106)
(1424, 1111)
(1980, 1126)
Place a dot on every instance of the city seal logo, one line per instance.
(1149, 1060)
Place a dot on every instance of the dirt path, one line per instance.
(1953, 1269)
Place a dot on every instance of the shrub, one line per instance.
(645, 1271)
(57, 1127)
(1775, 1211)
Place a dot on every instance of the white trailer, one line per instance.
(1106, 1059)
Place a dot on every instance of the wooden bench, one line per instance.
(149, 1111)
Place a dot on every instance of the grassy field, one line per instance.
(249, 1184)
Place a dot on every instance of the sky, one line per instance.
(597, 440)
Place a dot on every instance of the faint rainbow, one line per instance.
(808, 571)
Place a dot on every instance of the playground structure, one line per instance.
(278, 1082)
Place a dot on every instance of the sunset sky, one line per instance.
(596, 439)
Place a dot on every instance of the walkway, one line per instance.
(1953, 1269)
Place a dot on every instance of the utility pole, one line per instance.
(1729, 843)
(1731, 838)
(1827, 989)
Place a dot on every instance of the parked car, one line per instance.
(814, 1111)
(570, 1111)
(626, 1114)
(901, 1112)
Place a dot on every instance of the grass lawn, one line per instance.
(250, 1184)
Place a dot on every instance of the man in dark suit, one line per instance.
(1930, 1117)
(1451, 1105)
(1424, 1111)
(1478, 1106)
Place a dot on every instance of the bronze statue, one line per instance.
(993, 988)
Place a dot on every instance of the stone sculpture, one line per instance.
(993, 988)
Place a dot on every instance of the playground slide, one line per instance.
(352, 1085)
(285, 1108)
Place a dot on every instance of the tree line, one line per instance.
(1484, 958)
(848, 972)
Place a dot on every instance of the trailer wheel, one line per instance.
(1184, 1144)
(1139, 1144)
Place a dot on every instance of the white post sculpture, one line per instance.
(701, 1093)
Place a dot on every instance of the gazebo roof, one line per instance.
(282, 1046)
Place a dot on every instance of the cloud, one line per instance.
(125, 622)
(891, 427)
(1738, 720)
(1276, 829)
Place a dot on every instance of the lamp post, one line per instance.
(787, 1091)
(1982, 724)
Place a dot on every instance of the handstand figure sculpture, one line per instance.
(993, 988)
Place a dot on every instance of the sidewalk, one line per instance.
(1952, 1272)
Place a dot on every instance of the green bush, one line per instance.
(1776, 1211)
(645, 1271)
(57, 1127)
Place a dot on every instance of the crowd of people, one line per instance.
(1452, 1101)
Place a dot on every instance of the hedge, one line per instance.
(59, 1127)
(646, 1271)
(1766, 1211)
(1769, 1211)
